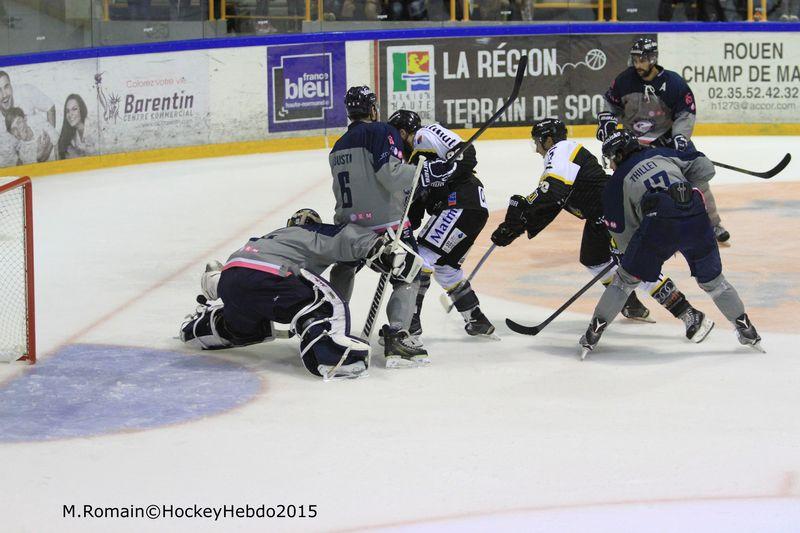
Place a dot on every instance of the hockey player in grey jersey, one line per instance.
(659, 107)
(277, 278)
(653, 212)
(458, 212)
(371, 181)
(573, 181)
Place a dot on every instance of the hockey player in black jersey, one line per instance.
(573, 180)
(658, 106)
(458, 212)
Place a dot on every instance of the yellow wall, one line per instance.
(318, 142)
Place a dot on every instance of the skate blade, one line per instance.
(757, 347)
(346, 377)
(705, 328)
(724, 244)
(645, 319)
(489, 337)
(395, 361)
(584, 353)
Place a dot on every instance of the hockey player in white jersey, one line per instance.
(653, 212)
(458, 213)
(277, 278)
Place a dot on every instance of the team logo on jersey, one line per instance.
(304, 89)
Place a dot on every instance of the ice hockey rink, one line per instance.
(652, 433)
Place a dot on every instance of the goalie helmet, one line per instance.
(620, 144)
(303, 217)
(359, 101)
(549, 127)
(403, 119)
(646, 48)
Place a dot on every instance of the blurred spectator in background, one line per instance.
(791, 10)
(34, 140)
(704, 10)
(407, 9)
(179, 10)
(360, 10)
(139, 9)
(76, 139)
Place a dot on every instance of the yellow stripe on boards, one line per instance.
(319, 141)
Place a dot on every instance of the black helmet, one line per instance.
(549, 127)
(403, 119)
(359, 101)
(303, 217)
(619, 145)
(647, 48)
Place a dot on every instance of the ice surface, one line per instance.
(653, 433)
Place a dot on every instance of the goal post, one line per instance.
(17, 317)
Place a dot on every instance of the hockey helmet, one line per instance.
(620, 144)
(646, 48)
(403, 119)
(303, 217)
(549, 127)
(359, 101)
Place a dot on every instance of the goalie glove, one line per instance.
(436, 173)
(402, 264)
(514, 224)
(606, 125)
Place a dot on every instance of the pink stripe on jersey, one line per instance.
(257, 265)
(382, 228)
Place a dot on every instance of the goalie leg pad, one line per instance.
(210, 280)
(327, 348)
(205, 329)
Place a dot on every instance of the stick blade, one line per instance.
(523, 330)
(779, 167)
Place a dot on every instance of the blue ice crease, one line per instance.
(88, 389)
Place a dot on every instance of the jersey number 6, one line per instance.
(344, 185)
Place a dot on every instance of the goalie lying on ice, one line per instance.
(276, 278)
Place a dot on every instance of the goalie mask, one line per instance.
(303, 217)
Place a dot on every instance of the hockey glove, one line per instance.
(680, 143)
(503, 235)
(402, 264)
(606, 125)
(514, 224)
(436, 173)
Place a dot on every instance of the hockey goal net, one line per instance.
(17, 337)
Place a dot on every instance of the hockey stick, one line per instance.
(533, 330)
(523, 60)
(377, 298)
(445, 298)
(764, 175)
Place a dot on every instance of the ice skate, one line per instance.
(351, 371)
(635, 310)
(414, 331)
(747, 333)
(478, 325)
(592, 336)
(401, 350)
(697, 325)
(722, 235)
